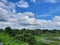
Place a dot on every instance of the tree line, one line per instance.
(27, 35)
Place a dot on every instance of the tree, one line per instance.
(1, 30)
(8, 29)
(32, 41)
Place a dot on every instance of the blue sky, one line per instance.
(26, 13)
(40, 7)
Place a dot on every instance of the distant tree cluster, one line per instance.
(26, 35)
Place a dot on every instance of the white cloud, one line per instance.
(14, 20)
(19, 20)
(24, 20)
(2, 4)
(45, 1)
(33, 1)
(10, 6)
(3, 13)
(4, 1)
(52, 1)
(57, 18)
(22, 4)
(49, 24)
(44, 16)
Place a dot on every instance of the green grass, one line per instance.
(8, 40)
(44, 39)
(48, 39)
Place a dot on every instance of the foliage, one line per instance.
(27, 36)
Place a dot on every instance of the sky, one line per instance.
(31, 14)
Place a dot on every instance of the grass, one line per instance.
(48, 39)
(7, 40)
(44, 39)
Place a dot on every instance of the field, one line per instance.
(29, 37)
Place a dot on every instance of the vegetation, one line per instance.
(24, 36)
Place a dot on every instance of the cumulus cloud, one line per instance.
(9, 17)
(4, 1)
(54, 23)
(22, 4)
(3, 12)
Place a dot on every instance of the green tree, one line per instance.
(8, 29)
